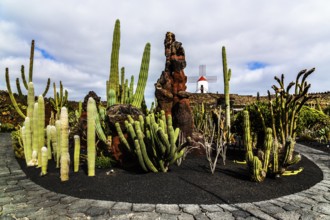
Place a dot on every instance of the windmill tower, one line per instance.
(202, 81)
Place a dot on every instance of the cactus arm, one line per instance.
(76, 155)
(268, 146)
(122, 137)
(91, 148)
(11, 96)
(47, 88)
(31, 61)
(23, 78)
(146, 159)
(226, 78)
(143, 77)
(139, 155)
(19, 90)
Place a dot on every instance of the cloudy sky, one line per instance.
(73, 41)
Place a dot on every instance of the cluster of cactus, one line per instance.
(153, 141)
(226, 79)
(122, 92)
(271, 159)
(28, 85)
(60, 99)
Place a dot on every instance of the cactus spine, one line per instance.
(76, 155)
(65, 157)
(226, 79)
(91, 150)
(143, 76)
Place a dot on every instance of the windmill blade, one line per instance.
(202, 70)
(212, 79)
(192, 79)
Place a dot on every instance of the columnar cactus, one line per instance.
(41, 125)
(49, 141)
(65, 156)
(76, 155)
(226, 79)
(44, 160)
(91, 149)
(28, 140)
(143, 76)
(58, 142)
(53, 134)
(114, 69)
(35, 135)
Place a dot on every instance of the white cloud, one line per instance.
(287, 35)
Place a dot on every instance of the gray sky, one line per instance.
(73, 40)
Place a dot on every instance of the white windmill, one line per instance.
(202, 81)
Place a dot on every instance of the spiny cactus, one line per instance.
(76, 155)
(41, 125)
(153, 142)
(28, 140)
(65, 156)
(60, 99)
(44, 160)
(122, 92)
(114, 67)
(91, 149)
(226, 79)
(143, 76)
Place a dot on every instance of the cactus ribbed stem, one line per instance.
(53, 135)
(28, 140)
(76, 155)
(143, 77)
(49, 141)
(65, 157)
(44, 160)
(41, 125)
(91, 149)
(114, 67)
(35, 133)
(58, 138)
(226, 79)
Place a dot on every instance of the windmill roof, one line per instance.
(202, 78)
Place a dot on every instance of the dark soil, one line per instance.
(190, 183)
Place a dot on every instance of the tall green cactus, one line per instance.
(226, 79)
(153, 142)
(143, 77)
(114, 67)
(122, 92)
(65, 156)
(91, 149)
